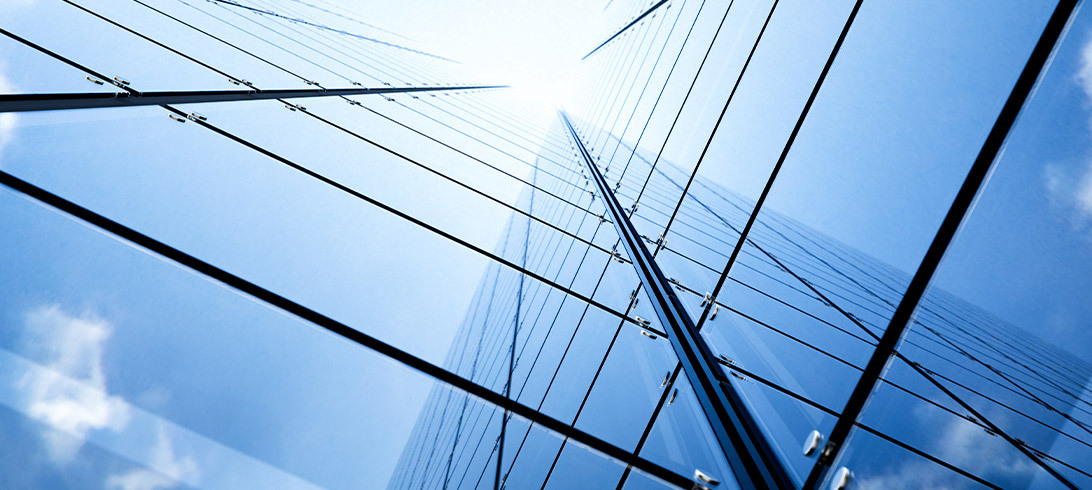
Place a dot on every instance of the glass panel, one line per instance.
(680, 437)
(233, 207)
(114, 53)
(120, 367)
(154, 21)
(1005, 323)
(26, 70)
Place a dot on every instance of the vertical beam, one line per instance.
(752, 459)
(964, 199)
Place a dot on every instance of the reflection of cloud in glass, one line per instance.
(170, 470)
(964, 445)
(70, 394)
(59, 380)
(8, 120)
(1071, 189)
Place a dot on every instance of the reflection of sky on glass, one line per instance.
(1025, 253)
(158, 382)
(133, 400)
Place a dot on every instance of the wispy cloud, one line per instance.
(1069, 187)
(8, 120)
(70, 394)
(1084, 70)
(963, 445)
(67, 391)
(169, 469)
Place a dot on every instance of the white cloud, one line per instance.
(1069, 187)
(8, 120)
(1083, 194)
(169, 470)
(69, 395)
(1084, 71)
(964, 445)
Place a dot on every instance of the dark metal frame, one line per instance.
(626, 28)
(749, 454)
(335, 327)
(89, 100)
(964, 199)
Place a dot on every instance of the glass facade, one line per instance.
(268, 243)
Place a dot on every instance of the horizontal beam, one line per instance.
(89, 100)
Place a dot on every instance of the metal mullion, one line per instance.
(400, 214)
(983, 348)
(350, 19)
(763, 274)
(456, 181)
(213, 36)
(549, 139)
(553, 323)
(618, 87)
(321, 46)
(90, 100)
(473, 371)
(564, 355)
(1000, 324)
(606, 84)
(963, 201)
(781, 159)
(591, 388)
(339, 31)
(1006, 341)
(544, 340)
(944, 318)
(501, 138)
(426, 429)
(557, 369)
(490, 145)
(476, 159)
(335, 327)
(648, 81)
(686, 98)
(777, 300)
(131, 97)
(881, 434)
(263, 26)
(671, 378)
(869, 429)
(476, 411)
(617, 91)
(1019, 386)
(659, 96)
(512, 352)
(592, 97)
(999, 403)
(493, 122)
(749, 454)
(810, 286)
(624, 29)
(640, 66)
(720, 118)
(853, 319)
(834, 357)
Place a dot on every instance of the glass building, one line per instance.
(764, 244)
